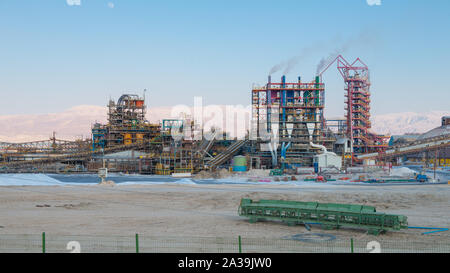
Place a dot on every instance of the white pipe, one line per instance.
(323, 148)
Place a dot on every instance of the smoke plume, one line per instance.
(363, 38)
(276, 68)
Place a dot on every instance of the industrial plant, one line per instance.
(288, 133)
(247, 127)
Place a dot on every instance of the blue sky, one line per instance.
(54, 55)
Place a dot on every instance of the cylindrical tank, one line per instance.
(127, 139)
(139, 137)
(239, 164)
(139, 103)
(316, 167)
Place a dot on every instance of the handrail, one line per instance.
(230, 151)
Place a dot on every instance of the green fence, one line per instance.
(52, 243)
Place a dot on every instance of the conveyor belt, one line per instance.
(415, 147)
(329, 215)
(227, 154)
(82, 155)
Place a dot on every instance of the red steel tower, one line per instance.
(357, 86)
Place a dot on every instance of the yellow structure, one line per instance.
(127, 139)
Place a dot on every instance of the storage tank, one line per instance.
(127, 139)
(140, 138)
(139, 103)
(239, 163)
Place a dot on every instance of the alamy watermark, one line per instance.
(374, 2)
(223, 122)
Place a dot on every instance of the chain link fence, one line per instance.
(51, 243)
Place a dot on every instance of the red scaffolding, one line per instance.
(357, 86)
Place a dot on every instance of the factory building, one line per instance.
(442, 156)
(287, 117)
(288, 131)
(126, 124)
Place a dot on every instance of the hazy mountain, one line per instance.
(76, 122)
(407, 122)
(70, 124)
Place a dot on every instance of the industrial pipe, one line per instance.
(436, 229)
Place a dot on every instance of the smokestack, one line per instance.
(299, 79)
(269, 79)
(283, 79)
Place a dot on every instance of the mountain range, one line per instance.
(76, 122)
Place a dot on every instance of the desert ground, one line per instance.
(206, 210)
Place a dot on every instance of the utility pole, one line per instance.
(435, 163)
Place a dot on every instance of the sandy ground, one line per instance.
(205, 210)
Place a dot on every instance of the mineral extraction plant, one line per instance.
(288, 132)
(126, 124)
(292, 113)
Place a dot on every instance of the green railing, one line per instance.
(52, 243)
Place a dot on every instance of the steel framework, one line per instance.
(357, 86)
(126, 124)
(329, 215)
(293, 113)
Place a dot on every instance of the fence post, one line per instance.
(137, 243)
(43, 242)
(351, 243)
(240, 244)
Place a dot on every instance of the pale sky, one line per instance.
(57, 54)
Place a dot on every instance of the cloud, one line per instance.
(73, 2)
(110, 5)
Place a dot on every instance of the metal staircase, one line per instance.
(206, 145)
(227, 154)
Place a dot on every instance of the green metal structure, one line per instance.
(329, 215)
(276, 172)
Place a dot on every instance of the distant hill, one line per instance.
(76, 122)
(407, 122)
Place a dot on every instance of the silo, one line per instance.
(239, 164)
